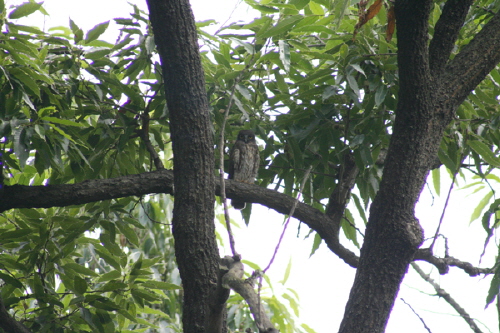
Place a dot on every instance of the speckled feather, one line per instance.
(244, 161)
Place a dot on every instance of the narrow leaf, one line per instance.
(281, 27)
(485, 152)
(284, 54)
(62, 121)
(24, 9)
(436, 180)
(480, 207)
(96, 31)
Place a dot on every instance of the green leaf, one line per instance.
(359, 207)
(80, 285)
(485, 152)
(108, 258)
(63, 133)
(113, 286)
(281, 27)
(436, 180)
(316, 243)
(446, 160)
(128, 232)
(97, 53)
(11, 280)
(25, 79)
(284, 54)
(144, 294)
(353, 84)
(24, 9)
(316, 9)
(481, 205)
(494, 287)
(380, 94)
(62, 121)
(160, 285)
(287, 272)
(73, 266)
(127, 315)
(110, 276)
(340, 7)
(13, 235)
(96, 31)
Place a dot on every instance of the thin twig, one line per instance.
(447, 297)
(416, 314)
(444, 210)
(221, 160)
(144, 133)
(221, 171)
(306, 175)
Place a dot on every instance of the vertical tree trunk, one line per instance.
(192, 140)
(393, 234)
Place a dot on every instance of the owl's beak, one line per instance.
(245, 138)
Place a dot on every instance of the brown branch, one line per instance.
(443, 264)
(161, 181)
(447, 297)
(21, 196)
(8, 323)
(471, 65)
(446, 32)
(338, 199)
(233, 279)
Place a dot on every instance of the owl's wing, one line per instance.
(256, 160)
(235, 159)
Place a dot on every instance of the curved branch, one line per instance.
(447, 297)
(8, 323)
(21, 196)
(342, 192)
(472, 64)
(282, 203)
(446, 33)
(443, 264)
(161, 181)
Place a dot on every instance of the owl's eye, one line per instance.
(250, 137)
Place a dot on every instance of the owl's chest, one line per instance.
(246, 167)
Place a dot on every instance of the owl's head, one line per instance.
(246, 136)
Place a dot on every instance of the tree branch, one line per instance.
(413, 63)
(446, 33)
(472, 64)
(447, 297)
(338, 199)
(8, 323)
(161, 181)
(21, 196)
(233, 279)
(443, 264)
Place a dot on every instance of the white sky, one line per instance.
(324, 281)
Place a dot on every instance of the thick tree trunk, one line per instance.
(192, 142)
(426, 104)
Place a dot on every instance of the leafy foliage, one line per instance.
(76, 107)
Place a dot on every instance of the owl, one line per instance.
(244, 161)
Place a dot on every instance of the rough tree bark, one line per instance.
(192, 142)
(431, 88)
